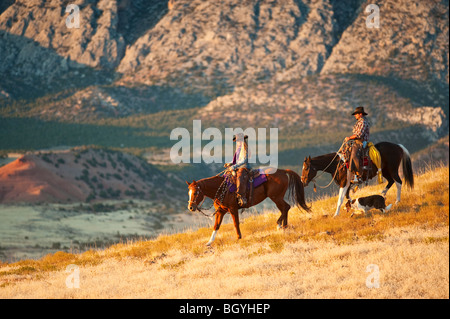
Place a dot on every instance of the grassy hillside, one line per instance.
(316, 257)
(82, 174)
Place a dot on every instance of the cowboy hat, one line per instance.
(241, 136)
(359, 109)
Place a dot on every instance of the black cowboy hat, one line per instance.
(359, 109)
(234, 137)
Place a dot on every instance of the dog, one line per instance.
(365, 204)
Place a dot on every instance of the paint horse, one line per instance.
(278, 182)
(392, 155)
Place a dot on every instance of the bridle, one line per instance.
(198, 190)
(314, 179)
(308, 180)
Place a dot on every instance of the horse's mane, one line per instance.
(322, 161)
(206, 180)
(326, 158)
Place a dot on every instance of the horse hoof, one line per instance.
(209, 244)
(279, 227)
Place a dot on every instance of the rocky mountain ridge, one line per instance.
(238, 42)
(285, 63)
(234, 43)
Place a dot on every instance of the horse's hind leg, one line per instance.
(398, 184)
(284, 208)
(390, 180)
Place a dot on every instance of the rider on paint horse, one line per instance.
(241, 167)
(360, 136)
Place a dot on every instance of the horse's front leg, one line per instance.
(340, 200)
(235, 215)
(217, 223)
(347, 194)
(342, 193)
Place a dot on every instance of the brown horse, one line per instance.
(391, 157)
(278, 182)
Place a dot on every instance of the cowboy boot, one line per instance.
(242, 179)
(355, 165)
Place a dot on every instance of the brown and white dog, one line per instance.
(365, 204)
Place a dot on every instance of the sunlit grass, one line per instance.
(426, 205)
(425, 209)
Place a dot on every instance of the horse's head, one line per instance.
(308, 171)
(196, 196)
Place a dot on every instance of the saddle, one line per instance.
(368, 155)
(256, 178)
(363, 156)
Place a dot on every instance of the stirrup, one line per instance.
(242, 201)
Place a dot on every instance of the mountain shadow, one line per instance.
(29, 70)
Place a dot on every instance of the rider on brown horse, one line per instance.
(241, 167)
(359, 136)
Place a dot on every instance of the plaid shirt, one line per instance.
(361, 129)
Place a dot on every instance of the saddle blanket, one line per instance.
(260, 179)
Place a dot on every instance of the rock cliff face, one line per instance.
(234, 43)
(267, 62)
(411, 43)
(41, 45)
(96, 43)
(301, 104)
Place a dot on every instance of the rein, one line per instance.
(220, 198)
(332, 179)
(323, 171)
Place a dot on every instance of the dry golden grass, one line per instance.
(316, 257)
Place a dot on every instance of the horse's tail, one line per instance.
(407, 167)
(296, 190)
